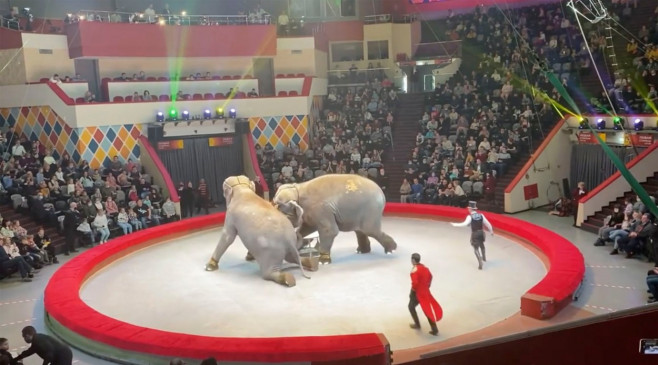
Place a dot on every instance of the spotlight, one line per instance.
(584, 124)
(232, 113)
(173, 114)
(159, 117)
(183, 13)
(220, 112)
(186, 115)
(162, 22)
(600, 124)
(618, 123)
(638, 125)
(207, 114)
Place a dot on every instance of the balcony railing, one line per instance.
(168, 19)
(356, 77)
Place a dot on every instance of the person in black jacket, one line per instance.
(71, 221)
(51, 350)
(186, 194)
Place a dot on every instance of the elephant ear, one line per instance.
(228, 192)
(252, 186)
(293, 211)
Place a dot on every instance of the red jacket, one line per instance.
(577, 196)
(421, 279)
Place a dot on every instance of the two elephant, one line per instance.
(328, 204)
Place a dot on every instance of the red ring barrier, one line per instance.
(63, 303)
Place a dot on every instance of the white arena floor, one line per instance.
(166, 287)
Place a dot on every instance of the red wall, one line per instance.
(614, 341)
(10, 39)
(93, 39)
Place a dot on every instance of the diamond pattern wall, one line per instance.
(97, 145)
(279, 131)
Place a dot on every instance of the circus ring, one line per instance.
(89, 330)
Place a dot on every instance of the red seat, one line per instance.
(247, 77)
(106, 79)
(80, 100)
(301, 75)
(240, 95)
(118, 99)
(162, 78)
(208, 96)
(216, 77)
(220, 96)
(164, 98)
(290, 75)
(226, 77)
(293, 93)
(283, 93)
(197, 97)
(280, 75)
(237, 77)
(151, 78)
(128, 98)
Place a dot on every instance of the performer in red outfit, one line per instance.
(421, 279)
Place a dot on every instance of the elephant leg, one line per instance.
(327, 235)
(304, 231)
(363, 241)
(228, 236)
(276, 275)
(374, 230)
(308, 263)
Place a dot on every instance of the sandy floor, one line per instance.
(165, 287)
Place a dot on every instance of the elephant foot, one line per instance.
(325, 258)
(310, 263)
(249, 257)
(287, 279)
(388, 252)
(361, 249)
(212, 265)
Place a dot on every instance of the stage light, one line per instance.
(186, 115)
(584, 123)
(207, 114)
(162, 22)
(600, 124)
(232, 113)
(638, 125)
(159, 117)
(220, 112)
(173, 114)
(183, 13)
(618, 123)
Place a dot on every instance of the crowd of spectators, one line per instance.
(349, 136)
(86, 205)
(624, 92)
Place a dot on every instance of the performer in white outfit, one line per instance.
(478, 222)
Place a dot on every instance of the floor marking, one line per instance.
(17, 322)
(606, 266)
(615, 286)
(18, 301)
(597, 307)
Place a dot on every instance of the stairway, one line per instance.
(409, 112)
(594, 222)
(8, 213)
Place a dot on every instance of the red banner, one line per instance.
(642, 139)
(530, 192)
(220, 141)
(589, 137)
(176, 144)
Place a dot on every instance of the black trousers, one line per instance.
(413, 303)
(71, 238)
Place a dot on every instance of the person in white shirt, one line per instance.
(55, 79)
(123, 221)
(18, 150)
(101, 225)
(149, 13)
(478, 222)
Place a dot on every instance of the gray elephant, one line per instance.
(267, 233)
(338, 203)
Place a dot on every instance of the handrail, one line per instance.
(172, 19)
(534, 156)
(617, 174)
(173, 193)
(377, 19)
